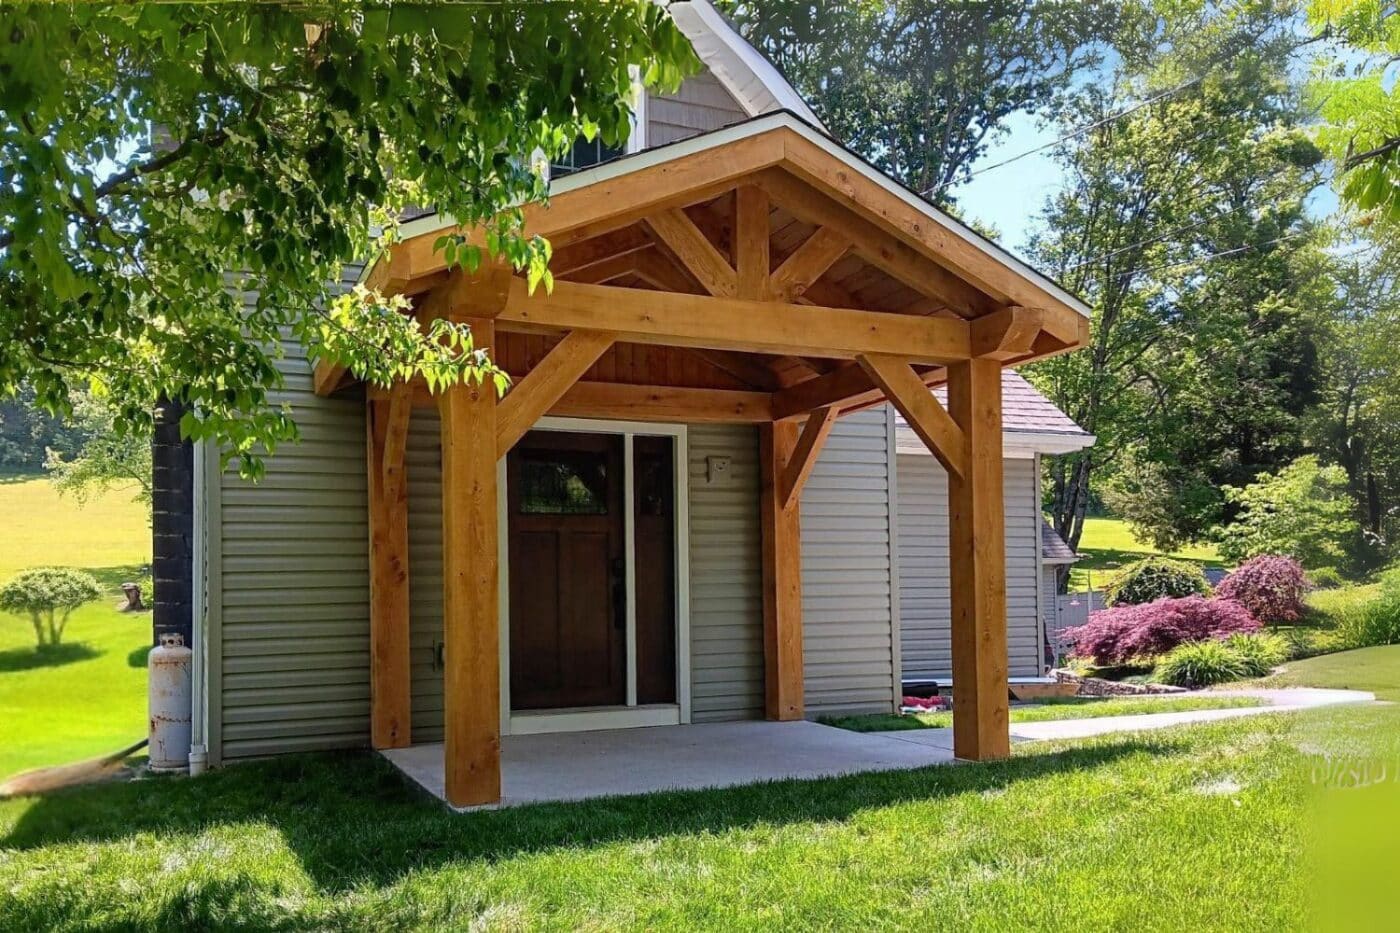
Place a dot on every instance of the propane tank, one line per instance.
(168, 670)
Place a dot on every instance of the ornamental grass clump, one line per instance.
(1154, 578)
(1271, 588)
(1140, 633)
(1200, 664)
(1259, 653)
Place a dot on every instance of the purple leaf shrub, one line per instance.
(1271, 588)
(1121, 634)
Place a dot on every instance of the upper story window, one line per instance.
(584, 155)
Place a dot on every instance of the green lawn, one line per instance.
(1045, 710)
(1108, 543)
(89, 697)
(1373, 669)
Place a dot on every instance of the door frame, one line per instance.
(631, 714)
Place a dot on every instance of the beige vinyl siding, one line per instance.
(699, 105)
(924, 607)
(291, 594)
(423, 460)
(726, 595)
(848, 643)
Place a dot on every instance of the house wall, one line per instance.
(288, 593)
(699, 105)
(1049, 598)
(925, 610)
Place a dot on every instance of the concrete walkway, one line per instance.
(586, 765)
(1273, 701)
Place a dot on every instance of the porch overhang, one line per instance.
(757, 274)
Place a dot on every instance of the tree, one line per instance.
(111, 453)
(1179, 225)
(48, 595)
(1356, 424)
(1303, 512)
(1359, 102)
(291, 136)
(922, 88)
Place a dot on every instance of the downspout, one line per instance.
(199, 753)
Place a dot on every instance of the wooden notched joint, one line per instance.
(1008, 333)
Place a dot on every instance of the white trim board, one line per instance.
(1016, 445)
(632, 714)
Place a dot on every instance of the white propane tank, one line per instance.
(168, 670)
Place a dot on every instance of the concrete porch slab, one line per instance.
(584, 765)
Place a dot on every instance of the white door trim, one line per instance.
(630, 715)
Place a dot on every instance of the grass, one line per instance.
(87, 698)
(1046, 710)
(1373, 669)
(1108, 543)
(1202, 828)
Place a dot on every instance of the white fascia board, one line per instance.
(708, 141)
(1016, 445)
(745, 73)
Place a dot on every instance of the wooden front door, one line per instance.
(568, 624)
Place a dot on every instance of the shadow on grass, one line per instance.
(30, 659)
(112, 578)
(353, 820)
(138, 657)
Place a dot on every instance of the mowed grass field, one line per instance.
(1108, 543)
(90, 696)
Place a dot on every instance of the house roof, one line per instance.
(1029, 421)
(742, 69)
(955, 235)
(1053, 549)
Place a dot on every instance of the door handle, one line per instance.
(619, 593)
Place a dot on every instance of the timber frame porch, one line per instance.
(756, 274)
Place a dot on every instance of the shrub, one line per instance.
(1375, 621)
(1326, 578)
(1304, 511)
(48, 595)
(1124, 633)
(1271, 588)
(1200, 664)
(1154, 578)
(1260, 652)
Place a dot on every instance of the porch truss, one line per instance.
(760, 275)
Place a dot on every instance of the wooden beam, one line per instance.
(666, 318)
(546, 384)
(471, 626)
(907, 392)
(751, 242)
(977, 564)
(328, 377)
(1006, 334)
(624, 402)
(663, 403)
(695, 251)
(809, 262)
(600, 249)
(782, 577)
(481, 294)
(657, 270)
(386, 428)
(845, 388)
(746, 369)
(878, 247)
(614, 267)
(804, 455)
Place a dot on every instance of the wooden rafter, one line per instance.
(695, 251)
(804, 454)
(546, 384)
(808, 263)
(928, 419)
(849, 388)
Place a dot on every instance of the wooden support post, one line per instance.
(782, 577)
(471, 676)
(386, 423)
(977, 540)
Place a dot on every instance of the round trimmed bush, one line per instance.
(1154, 578)
(1271, 588)
(1260, 652)
(1200, 664)
(1326, 578)
(1125, 634)
(48, 595)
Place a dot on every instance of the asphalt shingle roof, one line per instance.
(1053, 547)
(1023, 408)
